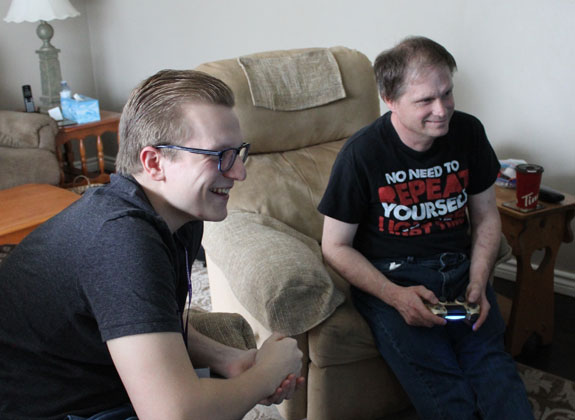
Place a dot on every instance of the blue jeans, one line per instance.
(449, 372)
(125, 412)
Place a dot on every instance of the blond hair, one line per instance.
(154, 113)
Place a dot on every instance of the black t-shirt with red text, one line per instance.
(410, 203)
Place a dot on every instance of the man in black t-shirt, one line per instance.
(91, 302)
(410, 217)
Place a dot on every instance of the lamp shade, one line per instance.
(37, 10)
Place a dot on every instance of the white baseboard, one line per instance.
(564, 282)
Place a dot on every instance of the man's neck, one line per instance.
(159, 203)
(413, 141)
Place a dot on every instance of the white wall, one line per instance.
(515, 57)
(19, 64)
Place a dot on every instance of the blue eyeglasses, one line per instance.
(227, 157)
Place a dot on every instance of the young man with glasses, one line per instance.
(92, 301)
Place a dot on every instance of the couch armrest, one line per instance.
(275, 272)
(226, 328)
(27, 130)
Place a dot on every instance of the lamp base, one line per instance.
(50, 72)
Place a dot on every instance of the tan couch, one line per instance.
(27, 149)
(264, 261)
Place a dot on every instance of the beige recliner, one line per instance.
(296, 109)
(27, 149)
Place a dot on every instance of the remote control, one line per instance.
(458, 310)
(550, 195)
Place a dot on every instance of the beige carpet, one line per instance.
(552, 397)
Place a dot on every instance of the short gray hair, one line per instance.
(392, 67)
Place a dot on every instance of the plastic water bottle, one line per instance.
(66, 100)
(65, 92)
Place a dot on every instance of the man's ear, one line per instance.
(389, 103)
(152, 163)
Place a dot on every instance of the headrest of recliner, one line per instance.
(275, 131)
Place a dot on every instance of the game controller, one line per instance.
(457, 310)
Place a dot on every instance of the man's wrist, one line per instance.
(233, 363)
(387, 291)
(479, 282)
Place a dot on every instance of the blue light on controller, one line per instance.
(455, 317)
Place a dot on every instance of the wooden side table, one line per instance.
(109, 122)
(25, 207)
(533, 301)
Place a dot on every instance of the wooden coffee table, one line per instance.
(25, 207)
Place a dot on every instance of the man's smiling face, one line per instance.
(422, 113)
(195, 189)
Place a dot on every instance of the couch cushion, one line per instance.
(345, 337)
(287, 186)
(365, 390)
(274, 271)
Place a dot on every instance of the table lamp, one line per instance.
(44, 11)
